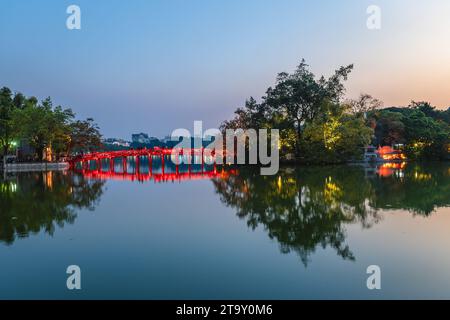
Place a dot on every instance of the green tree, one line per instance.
(84, 136)
(335, 137)
(431, 111)
(9, 104)
(43, 126)
(298, 98)
(6, 128)
(420, 127)
(389, 127)
(426, 137)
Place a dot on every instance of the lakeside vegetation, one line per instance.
(318, 126)
(50, 132)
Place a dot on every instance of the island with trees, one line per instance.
(318, 126)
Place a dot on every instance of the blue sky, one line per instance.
(158, 65)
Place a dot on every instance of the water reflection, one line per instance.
(39, 201)
(301, 208)
(34, 202)
(306, 208)
(166, 174)
(419, 189)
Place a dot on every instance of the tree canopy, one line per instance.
(318, 127)
(43, 126)
(314, 124)
(423, 129)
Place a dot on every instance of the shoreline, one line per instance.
(39, 166)
(61, 166)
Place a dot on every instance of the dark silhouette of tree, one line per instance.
(365, 103)
(84, 136)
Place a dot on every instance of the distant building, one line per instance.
(141, 140)
(117, 142)
(166, 139)
(384, 154)
(371, 154)
(394, 153)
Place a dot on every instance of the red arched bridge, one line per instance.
(84, 163)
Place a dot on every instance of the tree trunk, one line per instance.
(5, 149)
(297, 142)
(40, 153)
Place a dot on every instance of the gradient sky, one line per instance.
(158, 65)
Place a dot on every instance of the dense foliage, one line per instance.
(43, 126)
(424, 130)
(316, 126)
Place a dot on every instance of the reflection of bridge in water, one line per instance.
(157, 177)
(103, 165)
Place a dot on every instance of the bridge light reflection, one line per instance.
(157, 162)
(157, 177)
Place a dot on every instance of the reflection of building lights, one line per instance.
(245, 188)
(8, 187)
(49, 179)
(390, 154)
(422, 176)
(390, 168)
(332, 191)
(48, 154)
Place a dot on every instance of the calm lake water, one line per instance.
(305, 233)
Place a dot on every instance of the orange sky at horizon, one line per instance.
(409, 58)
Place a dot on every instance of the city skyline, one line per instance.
(166, 64)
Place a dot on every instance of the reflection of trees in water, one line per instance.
(309, 207)
(419, 189)
(32, 202)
